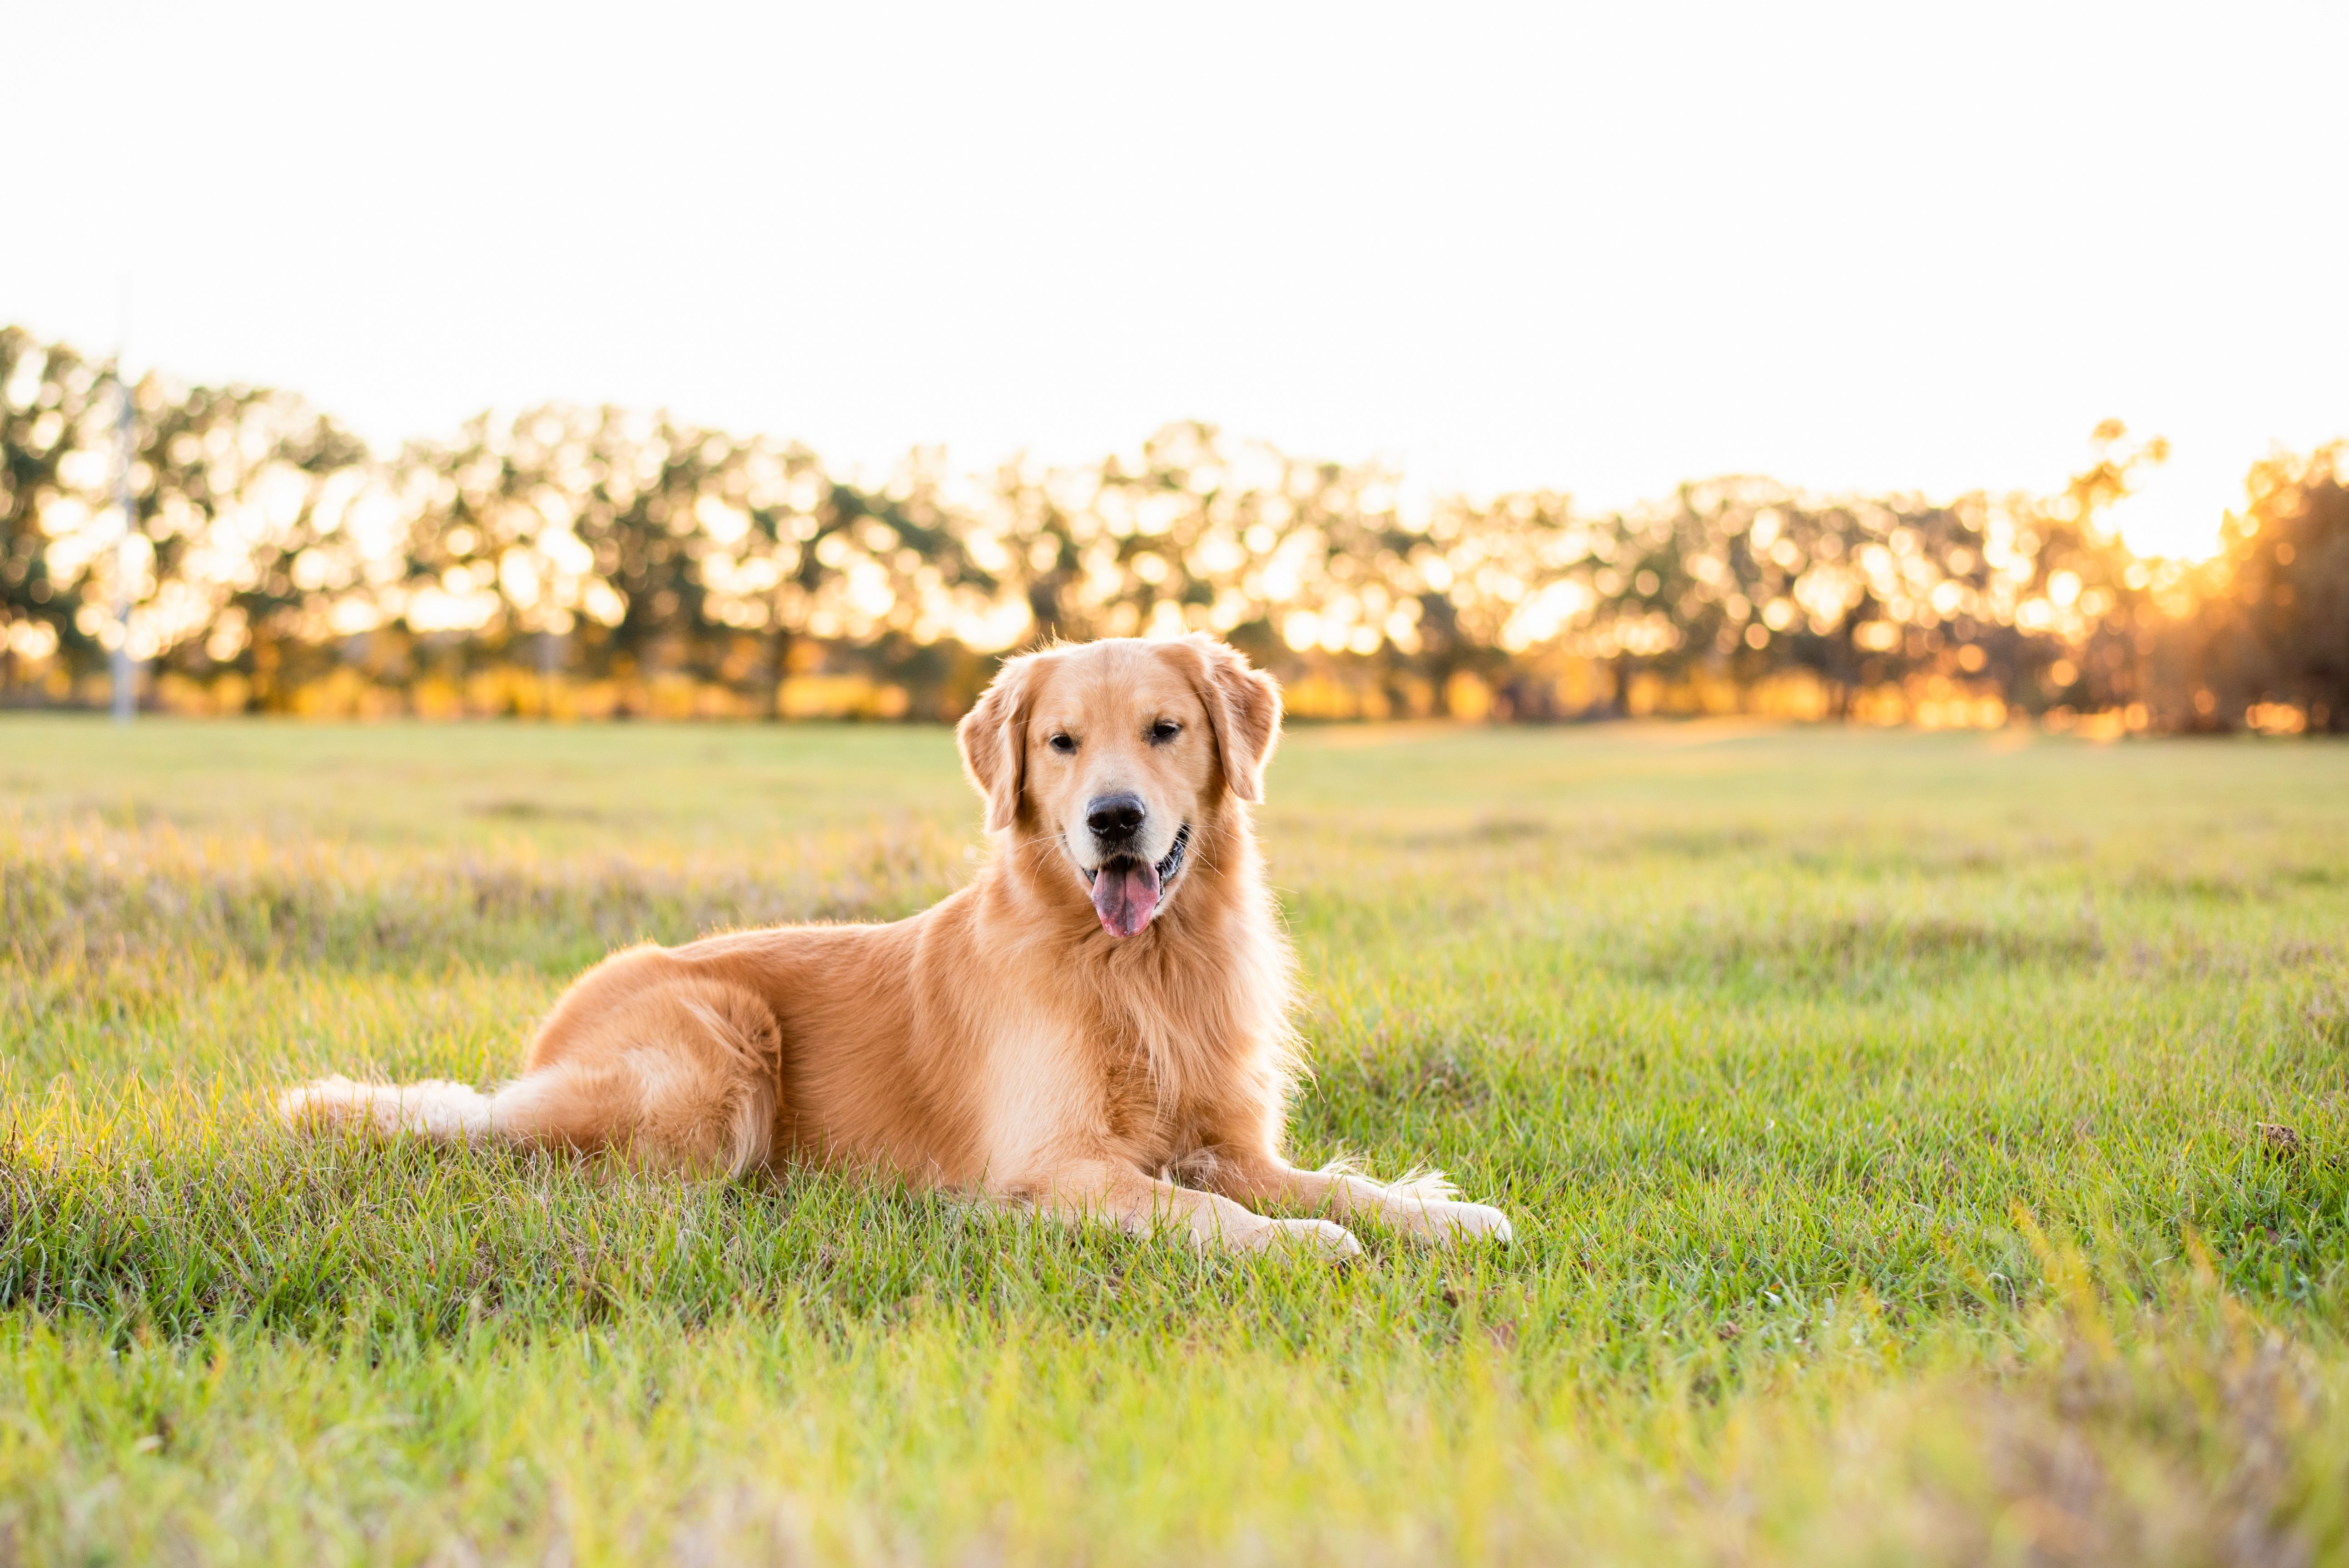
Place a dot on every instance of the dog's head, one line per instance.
(1119, 756)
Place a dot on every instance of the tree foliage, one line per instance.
(601, 545)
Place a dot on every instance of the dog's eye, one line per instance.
(1064, 744)
(1164, 730)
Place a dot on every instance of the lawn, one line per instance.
(1922, 1148)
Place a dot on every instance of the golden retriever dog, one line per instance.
(1096, 1027)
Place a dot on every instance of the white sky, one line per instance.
(1605, 248)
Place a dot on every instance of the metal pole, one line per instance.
(126, 673)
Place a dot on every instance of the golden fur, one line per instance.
(1007, 1042)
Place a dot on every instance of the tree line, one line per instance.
(598, 561)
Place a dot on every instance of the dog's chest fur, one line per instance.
(1190, 1051)
(1150, 1063)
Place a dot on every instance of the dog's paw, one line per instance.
(1450, 1222)
(1320, 1238)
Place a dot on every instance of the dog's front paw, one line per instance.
(1320, 1238)
(1449, 1222)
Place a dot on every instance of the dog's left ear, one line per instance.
(1243, 709)
(994, 740)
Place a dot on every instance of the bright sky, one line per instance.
(1601, 247)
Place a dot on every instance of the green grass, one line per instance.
(1921, 1147)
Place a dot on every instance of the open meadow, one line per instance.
(1922, 1148)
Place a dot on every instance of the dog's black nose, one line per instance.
(1116, 817)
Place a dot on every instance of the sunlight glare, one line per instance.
(2179, 505)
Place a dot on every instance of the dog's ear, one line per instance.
(994, 739)
(1243, 709)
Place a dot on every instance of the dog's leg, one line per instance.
(683, 1074)
(1101, 1190)
(1424, 1206)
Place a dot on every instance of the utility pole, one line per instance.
(126, 430)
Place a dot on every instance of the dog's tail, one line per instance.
(686, 1075)
(436, 1108)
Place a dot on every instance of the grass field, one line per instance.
(1922, 1148)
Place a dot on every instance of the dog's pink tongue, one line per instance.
(1124, 894)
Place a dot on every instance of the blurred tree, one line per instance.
(236, 494)
(1175, 540)
(642, 547)
(46, 395)
(2079, 606)
(2274, 612)
(243, 496)
(635, 553)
